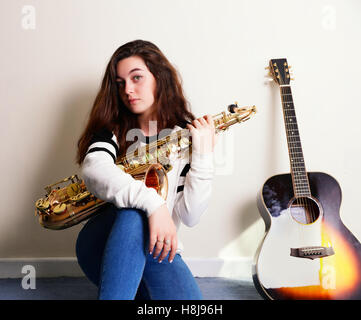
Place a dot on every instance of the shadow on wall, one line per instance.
(271, 136)
(238, 254)
(32, 240)
(245, 243)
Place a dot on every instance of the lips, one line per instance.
(133, 100)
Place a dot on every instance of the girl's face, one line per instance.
(136, 85)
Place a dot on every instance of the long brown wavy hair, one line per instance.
(110, 113)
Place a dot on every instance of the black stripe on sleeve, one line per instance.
(185, 170)
(102, 149)
(105, 136)
(180, 188)
(107, 141)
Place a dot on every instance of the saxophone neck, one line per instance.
(181, 140)
(235, 115)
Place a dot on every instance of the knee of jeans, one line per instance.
(132, 213)
(132, 224)
(132, 217)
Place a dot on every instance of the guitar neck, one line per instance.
(298, 169)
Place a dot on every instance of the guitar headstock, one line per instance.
(280, 71)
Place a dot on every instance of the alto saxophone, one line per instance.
(63, 207)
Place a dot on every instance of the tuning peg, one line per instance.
(269, 74)
(290, 77)
(267, 68)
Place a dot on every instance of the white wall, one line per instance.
(51, 72)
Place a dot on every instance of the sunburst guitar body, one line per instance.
(307, 252)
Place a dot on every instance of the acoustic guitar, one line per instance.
(306, 252)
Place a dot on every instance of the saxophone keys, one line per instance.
(80, 196)
(73, 189)
(60, 208)
(184, 142)
(135, 163)
(42, 204)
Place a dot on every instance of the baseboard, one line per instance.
(235, 268)
(43, 267)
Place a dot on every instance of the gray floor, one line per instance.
(67, 288)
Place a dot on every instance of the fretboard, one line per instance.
(298, 169)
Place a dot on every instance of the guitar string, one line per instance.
(310, 204)
(294, 143)
(285, 108)
(295, 140)
(291, 127)
(284, 104)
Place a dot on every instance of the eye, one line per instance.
(120, 83)
(137, 78)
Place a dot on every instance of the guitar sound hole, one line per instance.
(304, 210)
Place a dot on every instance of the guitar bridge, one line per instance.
(312, 252)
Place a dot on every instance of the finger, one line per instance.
(209, 119)
(196, 123)
(158, 248)
(166, 248)
(174, 249)
(190, 127)
(203, 121)
(152, 242)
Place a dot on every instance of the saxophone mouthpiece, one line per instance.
(232, 108)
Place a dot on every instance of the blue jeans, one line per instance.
(112, 250)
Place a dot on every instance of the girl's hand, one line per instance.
(203, 134)
(163, 234)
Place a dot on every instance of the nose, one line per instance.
(129, 87)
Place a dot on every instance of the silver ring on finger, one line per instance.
(167, 242)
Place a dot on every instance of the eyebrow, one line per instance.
(135, 69)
